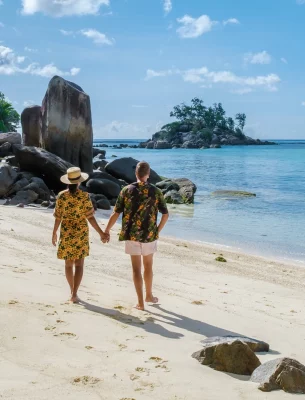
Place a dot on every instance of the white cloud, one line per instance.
(138, 106)
(284, 60)
(29, 50)
(1, 3)
(258, 58)
(121, 130)
(242, 91)
(1, 24)
(168, 6)
(300, 2)
(28, 103)
(194, 27)
(66, 33)
(97, 37)
(303, 103)
(62, 8)
(10, 64)
(231, 21)
(206, 77)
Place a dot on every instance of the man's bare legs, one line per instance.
(137, 279)
(74, 278)
(78, 276)
(148, 278)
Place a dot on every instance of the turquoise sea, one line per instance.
(271, 224)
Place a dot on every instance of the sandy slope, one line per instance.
(44, 341)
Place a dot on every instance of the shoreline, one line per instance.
(105, 349)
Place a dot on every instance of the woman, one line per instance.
(73, 209)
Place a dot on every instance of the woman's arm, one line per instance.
(112, 220)
(95, 225)
(55, 229)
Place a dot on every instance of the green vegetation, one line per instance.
(201, 122)
(9, 118)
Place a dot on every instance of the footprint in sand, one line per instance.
(66, 334)
(120, 308)
(134, 377)
(86, 380)
(13, 302)
(59, 321)
(49, 328)
(142, 370)
(21, 270)
(88, 347)
(122, 346)
(127, 398)
(197, 303)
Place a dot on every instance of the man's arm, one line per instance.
(163, 222)
(95, 225)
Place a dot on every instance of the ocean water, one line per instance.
(270, 224)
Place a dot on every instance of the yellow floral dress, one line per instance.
(73, 210)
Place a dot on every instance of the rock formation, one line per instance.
(282, 373)
(31, 126)
(67, 123)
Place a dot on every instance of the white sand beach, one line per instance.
(48, 346)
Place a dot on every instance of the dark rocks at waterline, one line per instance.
(282, 373)
(67, 123)
(187, 189)
(103, 186)
(104, 175)
(124, 168)
(7, 178)
(10, 137)
(42, 164)
(31, 126)
(233, 193)
(173, 197)
(96, 152)
(100, 165)
(235, 357)
(255, 345)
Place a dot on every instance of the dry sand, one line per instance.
(105, 349)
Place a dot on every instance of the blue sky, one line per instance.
(138, 58)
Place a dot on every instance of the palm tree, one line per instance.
(9, 118)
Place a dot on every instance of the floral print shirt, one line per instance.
(140, 203)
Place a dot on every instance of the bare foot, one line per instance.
(152, 299)
(75, 299)
(138, 307)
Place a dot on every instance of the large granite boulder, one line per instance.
(104, 175)
(24, 197)
(282, 373)
(187, 189)
(103, 204)
(236, 357)
(96, 152)
(167, 185)
(103, 186)
(7, 178)
(5, 149)
(31, 126)
(124, 168)
(10, 137)
(18, 185)
(255, 345)
(67, 123)
(43, 164)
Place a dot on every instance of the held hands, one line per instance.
(105, 237)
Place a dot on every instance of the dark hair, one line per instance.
(142, 169)
(72, 188)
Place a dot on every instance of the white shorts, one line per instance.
(140, 249)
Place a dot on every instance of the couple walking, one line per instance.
(139, 203)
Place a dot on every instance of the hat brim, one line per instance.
(67, 181)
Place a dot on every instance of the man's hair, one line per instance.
(142, 169)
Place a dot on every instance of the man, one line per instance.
(140, 203)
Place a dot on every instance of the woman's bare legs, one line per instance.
(78, 276)
(69, 273)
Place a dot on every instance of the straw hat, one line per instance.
(73, 176)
